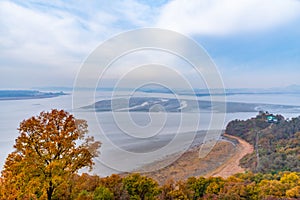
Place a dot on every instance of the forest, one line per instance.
(283, 185)
(277, 145)
(54, 146)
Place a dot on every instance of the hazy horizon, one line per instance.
(292, 87)
(254, 44)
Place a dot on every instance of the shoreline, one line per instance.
(12, 95)
(28, 98)
(232, 166)
(222, 161)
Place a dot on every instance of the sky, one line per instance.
(254, 43)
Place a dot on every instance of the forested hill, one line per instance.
(276, 142)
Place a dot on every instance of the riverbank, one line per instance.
(232, 165)
(222, 161)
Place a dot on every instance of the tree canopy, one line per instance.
(277, 145)
(51, 148)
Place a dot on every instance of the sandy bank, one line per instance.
(222, 161)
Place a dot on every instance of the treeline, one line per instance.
(277, 145)
(284, 185)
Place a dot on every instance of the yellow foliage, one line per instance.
(294, 192)
(47, 155)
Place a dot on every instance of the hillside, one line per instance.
(276, 143)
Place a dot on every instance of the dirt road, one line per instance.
(231, 166)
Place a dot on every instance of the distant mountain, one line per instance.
(27, 94)
(195, 91)
(295, 88)
(54, 89)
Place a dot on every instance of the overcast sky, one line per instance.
(254, 43)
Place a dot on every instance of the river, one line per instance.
(119, 152)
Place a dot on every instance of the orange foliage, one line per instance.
(50, 149)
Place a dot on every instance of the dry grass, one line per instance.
(222, 161)
(231, 166)
(189, 164)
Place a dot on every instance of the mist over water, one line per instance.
(103, 127)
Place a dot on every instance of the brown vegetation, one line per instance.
(232, 165)
(284, 185)
(189, 164)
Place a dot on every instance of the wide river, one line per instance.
(120, 151)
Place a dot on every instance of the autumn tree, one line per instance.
(1, 188)
(102, 193)
(294, 192)
(51, 148)
(167, 189)
(271, 188)
(85, 195)
(114, 183)
(234, 189)
(141, 187)
(197, 186)
(215, 184)
(181, 191)
(83, 185)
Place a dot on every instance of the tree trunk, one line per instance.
(50, 191)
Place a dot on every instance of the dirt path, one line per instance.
(231, 166)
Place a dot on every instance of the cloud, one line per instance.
(137, 13)
(29, 31)
(52, 38)
(222, 17)
(58, 35)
